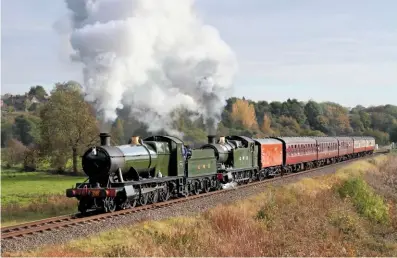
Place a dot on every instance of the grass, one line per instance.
(34, 195)
(313, 217)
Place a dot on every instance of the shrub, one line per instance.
(14, 153)
(365, 200)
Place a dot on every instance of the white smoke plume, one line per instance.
(153, 56)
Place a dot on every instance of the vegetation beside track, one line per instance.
(350, 213)
(29, 196)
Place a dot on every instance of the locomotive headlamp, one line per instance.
(94, 152)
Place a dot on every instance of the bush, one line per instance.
(14, 153)
(31, 159)
(366, 201)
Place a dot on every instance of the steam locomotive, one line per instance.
(162, 167)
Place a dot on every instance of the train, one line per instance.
(161, 167)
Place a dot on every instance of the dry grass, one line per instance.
(47, 206)
(308, 218)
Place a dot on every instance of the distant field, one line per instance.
(34, 195)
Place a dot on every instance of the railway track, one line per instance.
(71, 220)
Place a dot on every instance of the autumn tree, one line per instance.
(266, 123)
(243, 112)
(289, 126)
(68, 125)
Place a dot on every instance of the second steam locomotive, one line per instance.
(162, 167)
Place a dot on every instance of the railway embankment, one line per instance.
(348, 213)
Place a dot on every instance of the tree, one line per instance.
(244, 113)
(68, 125)
(38, 91)
(6, 132)
(381, 138)
(293, 108)
(313, 112)
(266, 123)
(290, 126)
(393, 134)
(261, 107)
(276, 108)
(69, 86)
(338, 118)
(365, 119)
(26, 129)
(356, 123)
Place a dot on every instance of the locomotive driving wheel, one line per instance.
(109, 204)
(195, 186)
(164, 194)
(143, 199)
(154, 196)
(206, 186)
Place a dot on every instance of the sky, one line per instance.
(339, 51)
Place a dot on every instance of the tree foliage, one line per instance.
(26, 129)
(266, 125)
(61, 127)
(68, 126)
(37, 91)
(243, 113)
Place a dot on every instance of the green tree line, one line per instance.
(54, 132)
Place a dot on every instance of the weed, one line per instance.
(366, 201)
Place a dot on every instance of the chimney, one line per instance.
(211, 139)
(105, 139)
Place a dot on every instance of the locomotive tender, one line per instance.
(160, 167)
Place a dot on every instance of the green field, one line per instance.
(33, 195)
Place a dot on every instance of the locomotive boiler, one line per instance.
(118, 163)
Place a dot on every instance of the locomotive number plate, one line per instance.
(95, 193)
